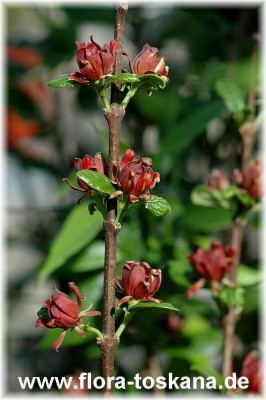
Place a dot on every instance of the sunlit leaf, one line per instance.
(204, 196)
(96, 181)
(123, 78)
(62, 82)
(232, 297)
(247, 276)
(232, 95)
(158, 206)
(152, 81)
(144, 306)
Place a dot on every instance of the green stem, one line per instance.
(91, 329)
(102, 94)
(127, 318)
(125, 205)
(129, 95)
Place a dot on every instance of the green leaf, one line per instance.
(143, 306)
(232, 297)
(184, 132)
(202, 195)
(230, 191)
(43, 313)
(61, 82)
(96, 181)
(247, 276)
(246, 199)
(198, 218)
(151, 81)
(90, 259)
(158, 206)
(232, 95)
(123, 78)
(78, 230)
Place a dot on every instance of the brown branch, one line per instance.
(114, 119)
(248, 134)
(230, 319)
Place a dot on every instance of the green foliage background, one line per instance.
(186, 129)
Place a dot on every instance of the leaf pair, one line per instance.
(148, 81)
(158, 206)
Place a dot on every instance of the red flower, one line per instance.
(96, 163)
(212, 265)
(218, 180)
(252, 369)
(63, 312)
(94, 61)
(135, 177)
(251, 179)
(147, 62)
(139, 282)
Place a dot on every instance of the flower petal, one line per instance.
(122, 301)
(127, 158)
(59, 341)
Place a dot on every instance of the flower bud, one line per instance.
(139, 282)
(95, 62)
(147, 62)
(96, 163)
(213, 264)
(252, 369)
(251, 179)
(135, 177)
(62, 312)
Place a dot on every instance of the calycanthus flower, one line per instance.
(252, 369)
(251, 179)
(147, 62)
(96, 163)
(212, 265)
(62, 312)
(135, 177)
(139, 282)
(95, 62)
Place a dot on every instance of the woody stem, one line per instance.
(248, 133)
(114, 118)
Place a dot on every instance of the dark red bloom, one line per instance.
(139, 282)
(147, 62)
(252, 369)
(251, 179)
(135, 177)
(212, 265)
(63, 312)
(218, 180)
(94, 61)
(96, 163)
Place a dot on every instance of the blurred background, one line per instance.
(185, 128)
